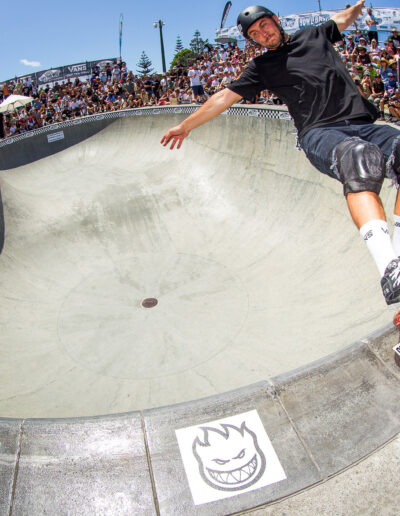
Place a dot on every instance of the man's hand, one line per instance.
(345, 18)
(360, 6)
(176, 134)
(214, 106)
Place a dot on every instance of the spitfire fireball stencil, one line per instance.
(227, 457)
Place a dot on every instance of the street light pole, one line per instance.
(160, 24)
(319, 4)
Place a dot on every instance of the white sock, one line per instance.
(376, 235)
(396, 235)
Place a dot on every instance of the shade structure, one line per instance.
(14, 101)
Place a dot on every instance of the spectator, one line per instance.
(148, 86)
(366, 85)
(350, 45)
(389, 47)
(374, 50)
(390, 88)
(357, 37)
(396, 38)
(113, 87)
(357, 81)
(372, 23)
(195, 84)
(164, 99)
(394, 107)
(363, 58)
(393, 67)
(156, 86)
(174, 97)
(383, 69)
(378, 91)
(108, 71)
(371, 68)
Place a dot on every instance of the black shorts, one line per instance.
(198, 90)
(319, 144)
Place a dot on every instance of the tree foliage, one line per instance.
(179, 45)
(144, 66)
(183, 57)
(197, 44)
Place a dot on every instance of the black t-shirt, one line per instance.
(310, 78)
(156, 86)
(378, 86)
(148, 85)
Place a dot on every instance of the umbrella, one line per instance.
(14, 101)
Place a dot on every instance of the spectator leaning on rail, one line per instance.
(335, 123)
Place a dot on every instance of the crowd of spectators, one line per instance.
(373, 66)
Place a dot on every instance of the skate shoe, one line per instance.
(390, 282)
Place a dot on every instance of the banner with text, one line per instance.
(62, 73)
(387, 17)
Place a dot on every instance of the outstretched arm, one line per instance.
(349, 16)
(214, 106)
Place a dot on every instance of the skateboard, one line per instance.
(396, 349)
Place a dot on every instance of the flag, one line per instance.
(120, 33)
(225, 13)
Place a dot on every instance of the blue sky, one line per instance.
(60, 33)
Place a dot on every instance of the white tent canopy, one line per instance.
(14, 101)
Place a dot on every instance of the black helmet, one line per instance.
(250, 15)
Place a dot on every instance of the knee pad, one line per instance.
(394, 161)
(361, 166)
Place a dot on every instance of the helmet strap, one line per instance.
(282, 33)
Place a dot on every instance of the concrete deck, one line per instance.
(257, 270)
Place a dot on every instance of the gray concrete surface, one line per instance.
(328, 424)
(249, 251)
(257, 271)
(369, 488)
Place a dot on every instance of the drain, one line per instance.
(149, 302)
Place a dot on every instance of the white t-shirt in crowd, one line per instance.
(194, 77)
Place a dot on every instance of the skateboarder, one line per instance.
(335, 123)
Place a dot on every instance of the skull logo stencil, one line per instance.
(228, 457)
